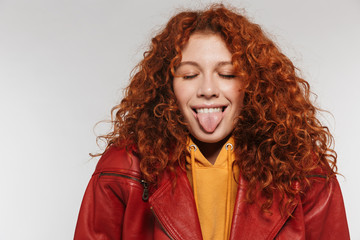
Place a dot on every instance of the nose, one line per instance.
(208, 87)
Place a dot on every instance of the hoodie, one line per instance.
(214, 189)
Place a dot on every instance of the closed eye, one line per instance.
(227, 76)
(190, 76)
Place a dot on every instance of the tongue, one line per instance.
(209, 121)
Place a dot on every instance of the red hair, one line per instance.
(278, 139)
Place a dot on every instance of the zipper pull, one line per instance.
(145, 195)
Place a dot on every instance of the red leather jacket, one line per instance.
(113, 208)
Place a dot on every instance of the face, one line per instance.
(208, 93)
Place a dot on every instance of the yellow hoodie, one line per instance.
(214, 188)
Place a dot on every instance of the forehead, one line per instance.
(205, 47)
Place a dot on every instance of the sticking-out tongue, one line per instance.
(209, 121)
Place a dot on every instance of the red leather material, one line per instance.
(176, 209)
(250, 221)
(113, 208)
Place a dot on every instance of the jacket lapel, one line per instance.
(249, 222)
(175, 208)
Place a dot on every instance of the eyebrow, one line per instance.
(197, 65)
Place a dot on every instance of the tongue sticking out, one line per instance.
(209, 121)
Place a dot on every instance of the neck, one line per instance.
(210, 150)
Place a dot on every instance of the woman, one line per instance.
(216, 138)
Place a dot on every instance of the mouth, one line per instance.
(209, 110)
(209, 117)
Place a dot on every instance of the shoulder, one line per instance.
(319, 183)
(322, 188)
(116, 159)
(323, 209)
(320, 178)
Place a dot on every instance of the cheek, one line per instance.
(234, 93)
(180, 93)
(183, 91)
(238, 92)
(237, 99)
(240, 97)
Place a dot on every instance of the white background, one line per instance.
(63, 65)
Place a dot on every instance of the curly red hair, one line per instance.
(278, 139)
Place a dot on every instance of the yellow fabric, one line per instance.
(215, 203)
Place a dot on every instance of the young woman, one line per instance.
(216, 138)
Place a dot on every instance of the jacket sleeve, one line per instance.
(324, 211)
(101, 212)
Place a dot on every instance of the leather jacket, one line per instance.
(117, 205)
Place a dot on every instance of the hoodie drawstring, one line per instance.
(192, 149)
(229, 148)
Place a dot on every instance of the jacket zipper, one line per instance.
(161, 226)
(145, 195)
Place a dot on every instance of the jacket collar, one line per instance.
(250, 221)
(175, 209)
